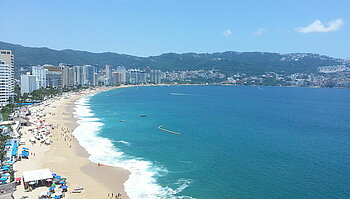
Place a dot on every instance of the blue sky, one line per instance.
(153, 27)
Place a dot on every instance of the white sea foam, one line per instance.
(142, 180)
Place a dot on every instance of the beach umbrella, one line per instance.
(63, 178)
(24, 148)
(57, 176)
(31, 183)
(52, 188)
(56, 197)
(3, 179)
(64, 187)
(9, 162)
(62, 182)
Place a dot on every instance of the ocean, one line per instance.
(224, 142)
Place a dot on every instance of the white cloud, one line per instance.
(227, 33)
(259, 32)
(318, 26)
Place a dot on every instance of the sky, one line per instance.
(152, 27)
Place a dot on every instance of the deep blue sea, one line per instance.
(235, 142)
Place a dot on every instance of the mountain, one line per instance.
(226, 62)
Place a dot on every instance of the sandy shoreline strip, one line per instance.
(67, 158)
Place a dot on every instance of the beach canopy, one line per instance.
(41, 174)
(64, 187)
(24, 148)
(3, 179)
(51, 188)
(56, 197)
(18, 179)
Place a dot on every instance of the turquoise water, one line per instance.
(235, 142)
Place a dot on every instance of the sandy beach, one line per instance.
(66, 157)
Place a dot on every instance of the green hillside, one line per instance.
(226, 62)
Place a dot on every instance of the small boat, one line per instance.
(143, 115)
(121, 120)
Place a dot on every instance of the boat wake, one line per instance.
(124, 142)
(180, 94)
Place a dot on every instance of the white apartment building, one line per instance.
(7, 81)
(67, 77)
(28, 83)
(79, 76)
(41, 74)
(122, 72)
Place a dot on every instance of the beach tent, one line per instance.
(25, 153)
(41, 174)
(3, 179)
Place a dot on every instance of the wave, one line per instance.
(142, 182)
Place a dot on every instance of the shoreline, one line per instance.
(66, 156)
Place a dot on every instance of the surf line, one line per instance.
(160, 128)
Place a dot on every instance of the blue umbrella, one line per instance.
(3, 179)
(57, 176)
(56, 197)
(51, 188)
(64, 187)
(24, 148)
(62, 182)
(53, 174)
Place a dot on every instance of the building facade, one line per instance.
(122, 72)
(28, 83)
(53, 76)
(79, 77)
(7, 80)
(136, 76)
(41, 76)
(67, 77)
(89, 75)
(155, 76)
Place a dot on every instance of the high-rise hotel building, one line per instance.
(7, 79)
